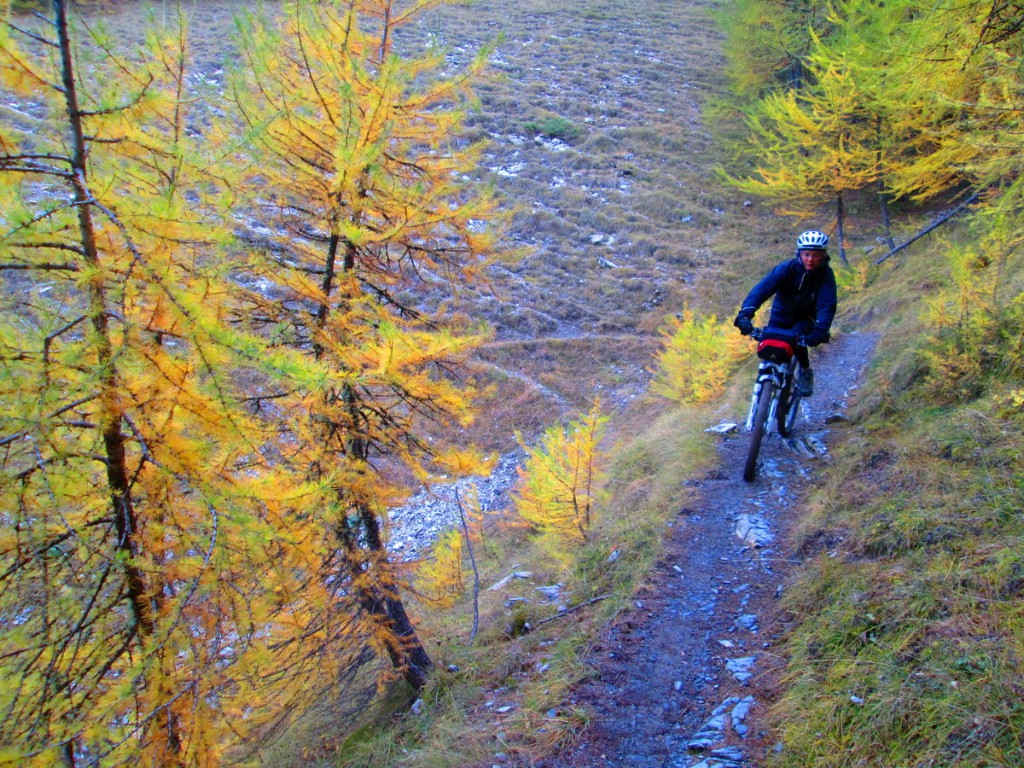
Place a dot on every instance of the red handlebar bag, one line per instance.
(775, 350)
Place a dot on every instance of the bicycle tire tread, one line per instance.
(757, 431)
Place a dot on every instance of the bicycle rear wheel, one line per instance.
(764, 401)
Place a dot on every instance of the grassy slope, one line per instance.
(908, 634)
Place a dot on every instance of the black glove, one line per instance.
(744, 323)
(816, 337)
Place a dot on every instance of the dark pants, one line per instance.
(800, 328)
(803, 358)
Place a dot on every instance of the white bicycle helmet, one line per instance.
(812, 240)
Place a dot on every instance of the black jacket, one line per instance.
(799, 296)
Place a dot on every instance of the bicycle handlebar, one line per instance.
(758, 334)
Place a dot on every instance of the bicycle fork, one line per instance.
(776, 377)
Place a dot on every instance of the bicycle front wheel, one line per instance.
(764, 401)
(789, 409)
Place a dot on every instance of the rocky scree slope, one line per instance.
(593, 114)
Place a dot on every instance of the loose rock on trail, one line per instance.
(681, 680)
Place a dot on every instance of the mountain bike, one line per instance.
(775, 400)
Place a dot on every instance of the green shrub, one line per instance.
(554, 128)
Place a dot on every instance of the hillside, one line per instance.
(592, 112)
(879, 624)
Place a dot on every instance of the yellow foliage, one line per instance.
(817, 143)
(232, 564)
(562, 479)
(1014, 402)
(364, 173)
(440, 575)
(697, 358)
(380, 210)
(977, 331)
(854, 279)
(148, 518)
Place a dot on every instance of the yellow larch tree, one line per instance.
(817, 143)
(767, 42)
(140, 528)
(439, 578)
(961, 78)
(964, 73)
(366, 208)
(562, 480)
(921, 98)
(696, 358)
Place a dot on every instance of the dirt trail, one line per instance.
(683, 679)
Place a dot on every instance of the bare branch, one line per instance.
(33, 35)
(97, 140)
(121, 107)
(40, 217)
(43, 267)
(476, 570)
(70, 406)
(573, 609)
(45, 170)
(934, 225)
(33, 156)
(45, 19)
(74, 248)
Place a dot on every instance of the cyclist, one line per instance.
(805, 300)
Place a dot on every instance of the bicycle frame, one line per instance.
(778, 372)
(775, 370)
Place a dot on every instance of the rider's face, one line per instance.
(812, 259)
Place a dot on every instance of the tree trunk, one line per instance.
(934, 225)
(143, 611)
(883, 204)
(376, 592)
(368, 559)
(382, 601)
(113, 438)
(883, 198)
(796, 75)
(841, 227)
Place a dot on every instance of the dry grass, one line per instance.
(633, 80)
(907, 634)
